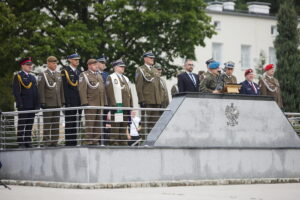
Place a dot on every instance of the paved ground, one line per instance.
(224, 192)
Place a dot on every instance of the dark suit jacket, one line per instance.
(26, 99)
(72, 98)
(247, 88)
(185, 84)
(104, 76)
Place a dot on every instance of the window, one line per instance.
(274, 31)
(272, 56)
(217, 25)
(245, 56)
(217, 51)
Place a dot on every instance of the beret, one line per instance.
(268, 67)
(214, 65)
(248, 71)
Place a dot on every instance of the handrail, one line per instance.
(84, 108)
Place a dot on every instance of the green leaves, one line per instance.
(288, 56)
(117, 28)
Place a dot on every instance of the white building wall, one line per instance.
(233, 31)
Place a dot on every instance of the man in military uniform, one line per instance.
(147, 84)
(174, 89)
(269, 86)
(226, 77)
(92, 93)
(26, 96)
(70, 78)
(119, 95)
(102, 66)
(209, 83)
(163, 89)
(51, 96)
(203, 74)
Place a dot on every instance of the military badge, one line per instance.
(115, 81)
(80, 79)
(232, 114)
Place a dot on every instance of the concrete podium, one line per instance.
(201, 137)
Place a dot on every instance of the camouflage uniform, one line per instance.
(224, 79)
(209, 83)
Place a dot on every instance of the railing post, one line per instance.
(102, 128)
(39, 130)
(78, 129)
(1, 131)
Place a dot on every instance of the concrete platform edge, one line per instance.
(151, 183)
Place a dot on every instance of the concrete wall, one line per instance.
(201, 120)
(116, 165)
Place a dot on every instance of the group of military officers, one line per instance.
(93, 87)
(214, 81)
(96, 87)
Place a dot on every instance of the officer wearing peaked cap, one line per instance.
(102, 66)
(51, 96)
(70, 80)
(119, 95)
(92, 93)
(26, 96)
(227, 76)
(147, 82)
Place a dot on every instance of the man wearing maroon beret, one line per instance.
(248, 86)
(269, 86)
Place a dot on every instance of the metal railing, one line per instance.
(76, 126)
(294, 119)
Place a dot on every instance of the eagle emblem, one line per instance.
(232, 114)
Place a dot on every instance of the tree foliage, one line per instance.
(260, 63)
(116, 28)
(287, 52)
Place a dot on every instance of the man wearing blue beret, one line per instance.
(209, 83)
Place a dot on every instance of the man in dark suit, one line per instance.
(248, 86)
(70, 78)
(188, 81)
(102, 66)
(26, 96)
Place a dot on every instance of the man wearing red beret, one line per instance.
(269, 85)
(248, 86)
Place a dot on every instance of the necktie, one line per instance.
(254, 88)
(192, 78)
